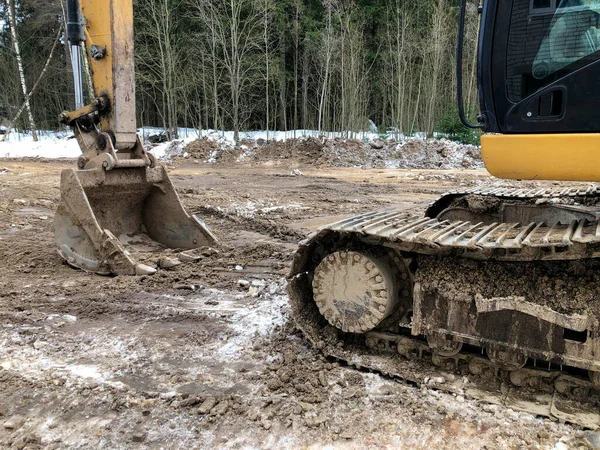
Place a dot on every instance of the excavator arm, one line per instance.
(120, 205)
(106, 29)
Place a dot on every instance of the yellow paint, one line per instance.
(568, 157)
(98, 20)
(108, 23)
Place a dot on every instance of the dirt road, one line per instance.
(204, 355)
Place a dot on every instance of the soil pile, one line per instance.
(338, 152)
(437, 154)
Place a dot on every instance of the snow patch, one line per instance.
(253, 209)
(85, 371)
(49, 145)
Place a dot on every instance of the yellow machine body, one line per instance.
(561, 157)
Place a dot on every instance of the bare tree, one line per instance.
(326, 56)
(236, 26)
(33, 89)
(266, 12)
(161, 55)
(10, 6)
(398, 63)
(436, 57)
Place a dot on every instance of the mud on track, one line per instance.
(204, 355)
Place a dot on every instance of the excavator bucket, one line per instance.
(109, 222)
(120, 209)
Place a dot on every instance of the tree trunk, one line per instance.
(33, 89)
(13, 30)
(266, 37)
(297, 28)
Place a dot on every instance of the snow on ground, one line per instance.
(252, 209)
(63, 145)
(50, 145)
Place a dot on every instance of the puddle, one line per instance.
(33, 211)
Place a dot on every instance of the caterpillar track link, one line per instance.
(492, 294)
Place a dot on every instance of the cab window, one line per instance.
(549, 39)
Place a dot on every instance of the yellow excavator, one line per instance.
(500, 286)
(496, 289)
(119, 204)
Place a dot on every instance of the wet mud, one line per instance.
(205, 355)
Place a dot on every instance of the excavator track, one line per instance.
(499, 310)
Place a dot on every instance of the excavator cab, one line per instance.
(539, 66)
(120, 203)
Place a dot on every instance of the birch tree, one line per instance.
(33, 89)
(10, 6)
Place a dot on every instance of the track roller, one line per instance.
(506, 360)
(443, 345)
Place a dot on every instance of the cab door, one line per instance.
(540, 66)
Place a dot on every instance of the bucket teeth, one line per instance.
(143, 269)
(117, 257)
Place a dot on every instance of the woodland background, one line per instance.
(327, 65)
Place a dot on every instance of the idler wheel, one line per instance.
(354, 291)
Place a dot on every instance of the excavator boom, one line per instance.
(120, 202)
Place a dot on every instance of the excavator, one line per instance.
(119, 206)
(492, 293)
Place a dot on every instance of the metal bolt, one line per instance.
(101, 142)
(529, 114)
(81, 162)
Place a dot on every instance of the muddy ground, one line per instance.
(204, 355)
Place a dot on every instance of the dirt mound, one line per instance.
(309, 151)
(202, 149)
(338, 152)
(438, 154)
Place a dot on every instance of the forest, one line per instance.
(326, 65)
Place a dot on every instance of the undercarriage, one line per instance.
(497, 288)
